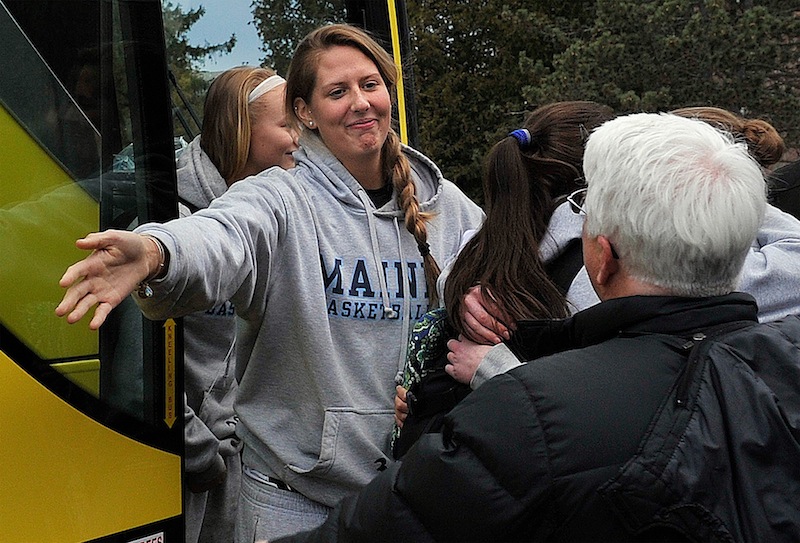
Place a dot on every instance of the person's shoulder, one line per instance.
(273, 188)
(274, 179)
(784, 333)
(419, 159)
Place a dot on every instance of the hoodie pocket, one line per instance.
(354, 447)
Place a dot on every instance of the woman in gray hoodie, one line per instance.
(327, 265)
(244, 133)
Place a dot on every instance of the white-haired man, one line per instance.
(664, 412)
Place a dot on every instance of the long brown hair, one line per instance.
(763, 141)
(300, 83)
(522, 184)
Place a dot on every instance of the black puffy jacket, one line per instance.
(611, 438)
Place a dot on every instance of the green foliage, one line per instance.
(184, 59)
(660, 55)
(480, 64)
(472, 63)
(281, 24)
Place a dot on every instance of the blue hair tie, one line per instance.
(522, 136)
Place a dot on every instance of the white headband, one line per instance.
(264, 87)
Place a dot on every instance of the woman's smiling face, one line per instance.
(350, 105)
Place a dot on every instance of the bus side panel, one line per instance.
(73, 479)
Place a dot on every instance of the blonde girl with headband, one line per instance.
(244, 124)
(244, 132)
(327, 265)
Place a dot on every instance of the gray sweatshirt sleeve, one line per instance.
(204, 464)
(498, 360)
(771, 272)
(215, 253)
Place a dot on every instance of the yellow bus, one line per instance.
(91, 422)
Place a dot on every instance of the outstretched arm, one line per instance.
(119, 261)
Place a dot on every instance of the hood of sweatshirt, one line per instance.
(564, 226)
(199, 182)
(324, 168)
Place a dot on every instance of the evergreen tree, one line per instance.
(664, 54)
(480, 64)
(183, 61)
(472, 62)
(281, 24)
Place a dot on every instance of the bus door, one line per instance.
(91, 423)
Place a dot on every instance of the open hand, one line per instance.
(119, 261)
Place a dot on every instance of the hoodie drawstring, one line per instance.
(401, 364)
(388, 311)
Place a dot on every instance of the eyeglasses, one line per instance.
(576, 201)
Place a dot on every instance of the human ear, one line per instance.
(303, 112)
(608, 261)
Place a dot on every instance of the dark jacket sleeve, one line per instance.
(476, 481)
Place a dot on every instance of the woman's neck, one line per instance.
(368, 172)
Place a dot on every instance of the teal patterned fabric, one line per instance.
(427, 345)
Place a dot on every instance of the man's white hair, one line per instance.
(680, 200)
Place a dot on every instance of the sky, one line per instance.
(223, 18)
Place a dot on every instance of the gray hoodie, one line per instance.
(771, 274)
(325, 288)
(209, 337)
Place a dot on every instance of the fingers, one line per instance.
(104, 278)
(76, 304)
(72, 274)
(451, 368)
(481, 317)
(477, 332)
(400, 406)
(100, 315)
(505, 324)
(101, 240)
(463, 358)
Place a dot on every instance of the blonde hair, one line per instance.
(228, 117)
(300, 83)
(763, 141)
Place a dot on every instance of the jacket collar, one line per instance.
(629, 315)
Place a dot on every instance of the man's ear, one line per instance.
(302, 110)
(608, 262)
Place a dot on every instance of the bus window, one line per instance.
(86, 145)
